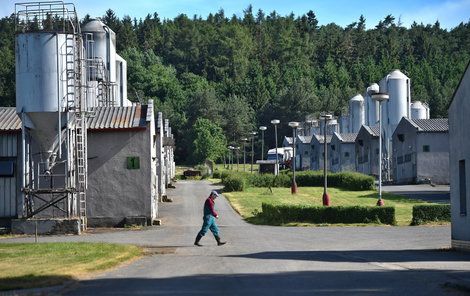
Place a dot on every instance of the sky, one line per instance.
(450, 13)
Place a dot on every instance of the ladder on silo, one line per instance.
(71, 71)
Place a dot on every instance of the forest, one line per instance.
(219, 78)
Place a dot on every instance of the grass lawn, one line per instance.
(249, 202)
(27, 265)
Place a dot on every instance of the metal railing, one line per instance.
(53, 16)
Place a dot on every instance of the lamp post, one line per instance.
(380, 97)
(294, 125)
(244, 153)
(275, 122)
(238, 153)
(326, 196)
(230, 157)
(262, 129)
(253, 134)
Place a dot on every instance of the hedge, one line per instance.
(430, 213)
(278, 214)
(234, 182)
(346, 180)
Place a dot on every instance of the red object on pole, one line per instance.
(380, 202)
(293, 188)
(326, 199)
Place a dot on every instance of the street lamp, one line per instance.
(262, 129)
(244, 153)
(326, 197)
(294, 125)
(238, 153)
(253, 134)
(380, 97)
(275, 122)
(230, 158)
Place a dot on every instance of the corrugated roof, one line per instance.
(9, 120)
(118, 117)
(374, 131)
(289, 139)
(305, 139)
(347, 137)
(432, 125)
(320, 138)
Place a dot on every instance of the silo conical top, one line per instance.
(397, 74)
(357, 97)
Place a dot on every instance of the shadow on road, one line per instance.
(379, 282)
(363, 256)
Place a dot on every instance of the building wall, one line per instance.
(433, 165)
(347, 157)
(114, 191)
(334, 153)
(10, 186)
(404, 153)
(303, 152)
(316, 159)
(367, 155)
(459, 143)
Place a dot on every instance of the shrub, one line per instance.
(430, 213)
(268, 180)
(234, 182)
(346, 180)
(277, 214)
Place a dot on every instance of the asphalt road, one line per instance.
(264, 260)
(426, 192)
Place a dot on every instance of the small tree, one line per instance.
(209, 141)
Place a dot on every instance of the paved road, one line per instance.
(263, 260)
(426, 192)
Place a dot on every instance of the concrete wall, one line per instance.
(10, 186)
(367, 155)
(433, 165)
(459, 143)
(303, 151)
(404, 153)
(114, 191)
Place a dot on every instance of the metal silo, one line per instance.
(51, 103)
(419, 110)
(372, 107)
(356, 113)
(101, 59)
(398, 85)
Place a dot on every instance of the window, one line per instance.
(306, 152)
(462, 188)
(401, 137)
(346, 154)
(400, 159)
(408, 157)
(426, 148)
(7, 168)
(361, 142)
(333, 147)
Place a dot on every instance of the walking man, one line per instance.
(209, 220)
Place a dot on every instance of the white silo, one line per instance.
(371, 106)
(344, 126)
(51, 104)
(397, 85)
(356, 113)
(101, 57)
(419, 110)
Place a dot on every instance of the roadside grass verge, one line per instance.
(28, 265)
(248, 203)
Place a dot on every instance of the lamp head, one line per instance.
(275, 121)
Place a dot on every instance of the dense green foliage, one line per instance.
(234, 182)
(344, 180)
(280, 214)
(209, 141)
(240, 72)
(430, 213)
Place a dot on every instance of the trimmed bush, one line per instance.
(268, 180)
(234, 182)
(278, 214)
(430, 213)
(347, 180)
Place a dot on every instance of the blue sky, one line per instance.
(342, 12)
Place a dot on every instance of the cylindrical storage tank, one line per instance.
(332, 127)
(372, 107)
(356, 113)
(41, 85)
(344, 124)
(418, 110)
(103, 46)
(40, 72)
(397, 86)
